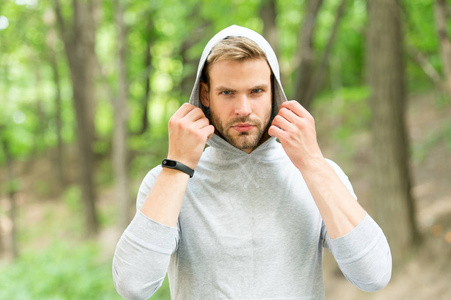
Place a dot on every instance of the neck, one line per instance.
(263, 139)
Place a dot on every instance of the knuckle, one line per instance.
(283, 110)
(179, 123)
(199, 136)
(278, 118)
(302, 123)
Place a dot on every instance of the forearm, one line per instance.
(340, 211)
(165, 199)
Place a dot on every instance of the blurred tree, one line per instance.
(320, 71)
(78, 35)
(441, 12)
(12, 251)
(150, 39)
(38, 109)
(268, 14)
(59, 159)
(392, 201)
(51, 55)
(121, 115)
(190, 64)
(305, 53)
(2, 244)
(423, 61)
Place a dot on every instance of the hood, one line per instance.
(234, 30)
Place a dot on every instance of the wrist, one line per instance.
(182, 158)
(176, 165)
(312, 164)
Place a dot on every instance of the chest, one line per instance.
(231, 216)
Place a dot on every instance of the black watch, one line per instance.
(172, 164)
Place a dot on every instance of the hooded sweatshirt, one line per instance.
(248, 226)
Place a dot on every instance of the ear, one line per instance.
(203, 93)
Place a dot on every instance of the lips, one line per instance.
(243, 127)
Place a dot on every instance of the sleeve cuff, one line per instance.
(357, 243)
(152, 235)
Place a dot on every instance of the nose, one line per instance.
(243, 106)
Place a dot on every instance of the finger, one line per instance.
(282, 123)
(208, 131)
(201, 123)
(184, 110)
(296, 108)
(195, 114)
(289, 115)
(276, 132)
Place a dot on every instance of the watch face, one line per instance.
(169, 163)
(172, 164)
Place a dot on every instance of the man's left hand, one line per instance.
(294, 126)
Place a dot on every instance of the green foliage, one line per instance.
(28, 89)
(420, 34)
(12, 186)
(420, 150)
(350, 110)
(54, 265)
(60, 271)
(72, 198)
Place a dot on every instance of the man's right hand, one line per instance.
(189, 131)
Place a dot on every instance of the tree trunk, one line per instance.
(268, 13)
(79, 44)
(148, 65)
(188, 63)
(59, 159)
(120, 153)
(318, 77)
(2, 246)
(38, 138)
(11, 245)
(305, 54)
(392, 201)
(445, 42)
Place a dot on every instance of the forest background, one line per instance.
(87, 88)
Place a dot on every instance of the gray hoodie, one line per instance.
(248, 227)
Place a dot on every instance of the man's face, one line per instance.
(240, 101)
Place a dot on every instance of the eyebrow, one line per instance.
(224, 88)
(258, 86)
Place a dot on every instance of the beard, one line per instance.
(245, 141)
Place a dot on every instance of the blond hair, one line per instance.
(235, 48)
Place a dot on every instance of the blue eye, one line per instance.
(256, 91)
(226, 93)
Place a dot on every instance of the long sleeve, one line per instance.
(363, 255)
(143, 252)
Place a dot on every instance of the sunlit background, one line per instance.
(74, 73)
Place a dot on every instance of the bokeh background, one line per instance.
(87, 88)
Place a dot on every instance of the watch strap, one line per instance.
(173, 164)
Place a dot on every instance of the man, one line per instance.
(252, 221)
